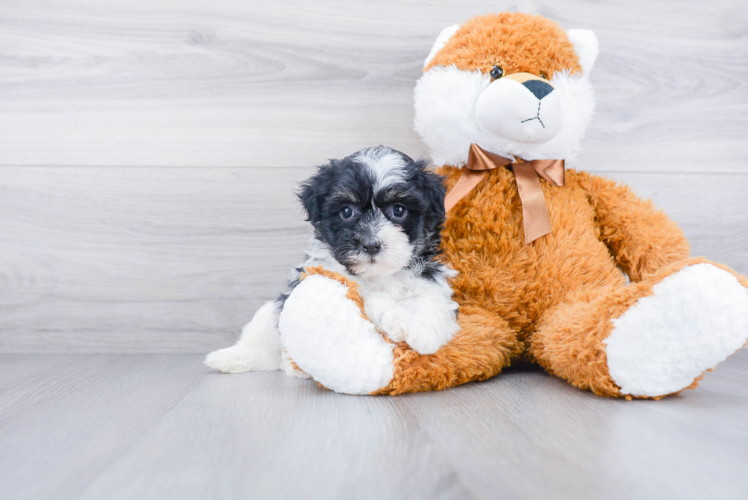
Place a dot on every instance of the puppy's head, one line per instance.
(377, 210)
(515, 84)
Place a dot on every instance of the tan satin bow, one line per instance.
(534, 208)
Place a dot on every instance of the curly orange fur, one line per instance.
(552, 301)
(545, 46)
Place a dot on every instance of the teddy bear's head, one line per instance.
(515, 84)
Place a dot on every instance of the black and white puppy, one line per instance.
(377, 216)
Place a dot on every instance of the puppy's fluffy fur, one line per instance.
(377, 217)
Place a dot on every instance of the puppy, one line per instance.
(377, 217)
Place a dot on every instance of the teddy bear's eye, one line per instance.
(543, 75)
(497, 72)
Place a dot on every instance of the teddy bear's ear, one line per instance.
(441, 41)
(585, 45)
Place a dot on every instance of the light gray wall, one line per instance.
(149, 149)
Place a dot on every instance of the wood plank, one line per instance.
(24, 373)
(238, 83)
(70, 426)
(105, 427)
(162, 426)
(534, 436)
(174, 257)
(177, 260)
(268, 436)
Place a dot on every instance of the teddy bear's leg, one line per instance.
(327, 335)
(649, 339)
(481, 349)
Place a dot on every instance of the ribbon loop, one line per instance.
(467, 181)
(551, 170)
(536, 222)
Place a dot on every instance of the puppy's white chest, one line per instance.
(398, 287)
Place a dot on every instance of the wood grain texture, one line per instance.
(169, 258)
(545, 439)
(161, 427)
(177, 260)
(89, 408)
(290, 83)
(161, 223)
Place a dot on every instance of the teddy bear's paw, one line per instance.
(326, 335)
(694, 320)
(243, 358)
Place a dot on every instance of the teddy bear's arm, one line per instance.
(641, 237)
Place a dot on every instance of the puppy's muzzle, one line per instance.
(521, 107)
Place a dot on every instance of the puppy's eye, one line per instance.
(346, 212)
(399, 211)
(497, 72)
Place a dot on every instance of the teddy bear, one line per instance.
(542, 252)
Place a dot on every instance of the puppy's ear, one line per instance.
(314, 191)
(432, 185)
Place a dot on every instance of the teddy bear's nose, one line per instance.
(539, 89)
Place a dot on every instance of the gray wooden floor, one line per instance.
(160, 426)
(149, 149)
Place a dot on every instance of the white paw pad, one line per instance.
(692, 322)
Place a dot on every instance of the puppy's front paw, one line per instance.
(429, 334)
(422, 325)
(243, 358)
(384, 312)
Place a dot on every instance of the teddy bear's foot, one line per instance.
(327, 336)
(694, 319)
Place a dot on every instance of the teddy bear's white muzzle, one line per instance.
(528, 112)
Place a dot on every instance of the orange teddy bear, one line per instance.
(541, 252)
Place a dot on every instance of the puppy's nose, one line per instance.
(372, 247)
(539, 89)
